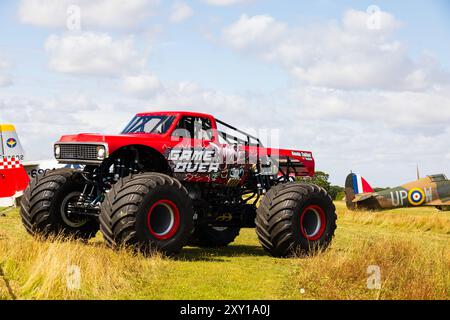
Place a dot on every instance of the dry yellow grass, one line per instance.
(41, 270)
(403, 219)
(411, 247)
(407, 272)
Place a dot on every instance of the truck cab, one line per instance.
(178, 143)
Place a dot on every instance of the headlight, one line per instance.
(101, 153)
(57, 151)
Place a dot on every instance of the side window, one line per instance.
(194, 127)
(184, 128)
(203, 129)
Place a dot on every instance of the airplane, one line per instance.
(433, 190)
(15, 171)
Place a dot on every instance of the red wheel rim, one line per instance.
(163, 219)
(312, 222)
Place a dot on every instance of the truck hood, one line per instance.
(114, 142)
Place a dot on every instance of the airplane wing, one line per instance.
(33, 168)
(362, 197)
(440, 202)
(30, 165)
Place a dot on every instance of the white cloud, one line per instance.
(142, 86)
(41, 121)
(6, 78)
(384, 140)
(379, 134)
(93, 54)
(256, 31)
(180, 12)
(333, 112)
(345, 55)
(408, 112)
(224, 3)
(94, 13)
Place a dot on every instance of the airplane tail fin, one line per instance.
(10, 145)
(354, 185)
(13, 177)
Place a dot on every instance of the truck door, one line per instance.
(193, 158)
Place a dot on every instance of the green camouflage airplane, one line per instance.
(430, 191)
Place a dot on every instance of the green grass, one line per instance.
(411, 246)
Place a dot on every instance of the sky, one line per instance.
(364, 85)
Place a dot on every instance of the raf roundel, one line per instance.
(416, 196)
(11, 143)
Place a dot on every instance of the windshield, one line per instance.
(149, 124)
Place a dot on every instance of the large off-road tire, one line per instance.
(295, 218)
(44, 206)
(148, 211)
(206, 236)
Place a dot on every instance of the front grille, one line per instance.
(78, 151)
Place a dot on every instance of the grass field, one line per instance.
(411, 247)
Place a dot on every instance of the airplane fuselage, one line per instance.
(429, 191)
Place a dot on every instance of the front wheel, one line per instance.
(295, 218)
(46, 206)
(149, 211)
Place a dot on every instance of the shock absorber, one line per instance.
(133, 168)
(120, 167)
(136, 166)
(83, 194)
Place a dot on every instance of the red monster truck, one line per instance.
(172, 179)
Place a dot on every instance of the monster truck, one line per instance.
(172, 179)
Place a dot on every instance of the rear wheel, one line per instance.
(149, 211)
(214, 237)
(295, 218)
(46, 206)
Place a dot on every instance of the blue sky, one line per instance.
(371, 101)
(426, 26)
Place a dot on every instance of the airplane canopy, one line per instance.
(437, 177)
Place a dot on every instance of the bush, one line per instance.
(321, 179)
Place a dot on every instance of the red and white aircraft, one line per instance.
(15, 171)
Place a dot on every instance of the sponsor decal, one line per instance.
(303, 154)
(225, 217)
(236, 173)
(234, 176)
(193, 161)
(11, 143)
(215, 176)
